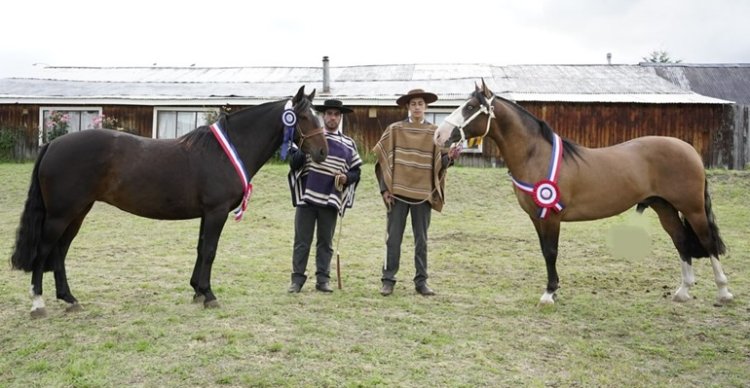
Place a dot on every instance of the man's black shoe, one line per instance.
(324, 287)
(294, 288)
(422, 289)
(387, 289)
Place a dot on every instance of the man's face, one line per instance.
(417, 106)
(332, 118)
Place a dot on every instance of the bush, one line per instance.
(8, 139)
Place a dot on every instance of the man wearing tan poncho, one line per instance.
(411, 174)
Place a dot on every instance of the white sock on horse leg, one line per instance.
(688, 280)
(721, 281)
(547, 298)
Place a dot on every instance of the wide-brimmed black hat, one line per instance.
(428, 97)
(333, 104)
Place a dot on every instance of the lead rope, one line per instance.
(340, 187)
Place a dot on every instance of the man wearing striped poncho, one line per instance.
(411, 173)
(321, 192)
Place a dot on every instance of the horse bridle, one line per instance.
(488, 110)
(303, 136)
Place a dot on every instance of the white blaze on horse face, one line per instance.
(444, 131)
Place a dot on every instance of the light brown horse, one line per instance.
(556, 180)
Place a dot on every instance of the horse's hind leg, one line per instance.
(699, 224)
(61, 251)
(38, 308)
(670, 221)
(51, 233)
(723, 296)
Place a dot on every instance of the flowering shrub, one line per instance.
(57, 124)
(104, 121)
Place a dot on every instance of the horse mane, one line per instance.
(569, 147)
(202, 136)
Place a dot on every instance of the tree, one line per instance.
(660, 56)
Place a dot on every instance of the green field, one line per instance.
(613, 324)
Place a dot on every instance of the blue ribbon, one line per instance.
(289, 118)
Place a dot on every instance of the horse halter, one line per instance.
(289, 118)
(489, 110)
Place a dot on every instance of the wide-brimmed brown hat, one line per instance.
(428, 97)
(333, 104)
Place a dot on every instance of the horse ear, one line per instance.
(487, 92)
(312, 95)
(300, 93)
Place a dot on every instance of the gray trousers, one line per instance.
(305, 219)
(420, 222)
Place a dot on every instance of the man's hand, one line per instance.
(455, 151)
(387, 197)
(340, 181)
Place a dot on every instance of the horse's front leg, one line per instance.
(549, 232)
(211, 226)
(198, 297)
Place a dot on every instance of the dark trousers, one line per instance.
(305, 219)
(420, 222)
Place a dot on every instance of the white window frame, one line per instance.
(465, 149)
(42, 109)
(155, 127)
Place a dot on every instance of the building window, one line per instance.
(56, 121)
(172, 123)
(473, 146)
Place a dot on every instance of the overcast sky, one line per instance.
(352, 32)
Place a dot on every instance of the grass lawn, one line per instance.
(614, 323)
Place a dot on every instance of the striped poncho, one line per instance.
(409, 163)
(313, 184)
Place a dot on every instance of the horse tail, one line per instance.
(29, 232)
(716, 245)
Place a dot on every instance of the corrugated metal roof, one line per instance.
(725, 81)
(356, 85)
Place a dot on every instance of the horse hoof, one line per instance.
(74, 308)
(199, 298)
(725, 298)
(211, 304)
(39, 313)
(680, 298)
(548, 299)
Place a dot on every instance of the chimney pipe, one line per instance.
(609, 58)
(326, 76)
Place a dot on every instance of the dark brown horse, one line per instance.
(556, 180)
(171, 179)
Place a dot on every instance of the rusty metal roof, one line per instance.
(355, 85)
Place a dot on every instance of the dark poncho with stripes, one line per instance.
(313, 184)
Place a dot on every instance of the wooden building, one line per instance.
(593, 105)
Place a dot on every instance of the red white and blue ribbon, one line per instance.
(247, 187)
(289, 119)
(545, 193)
